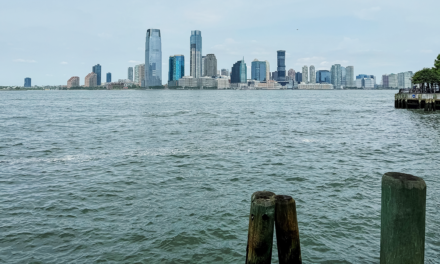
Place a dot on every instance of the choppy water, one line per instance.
(166, 176)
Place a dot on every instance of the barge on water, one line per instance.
(416, 98)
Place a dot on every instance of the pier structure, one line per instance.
(429, 100)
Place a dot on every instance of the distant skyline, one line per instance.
(52, 41)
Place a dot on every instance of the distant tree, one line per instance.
(437, 63)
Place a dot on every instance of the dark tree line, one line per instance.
(428, 78)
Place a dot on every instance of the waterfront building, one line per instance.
(210, 66)
(281, 65)
(258, 70)
(315, 86)
(202, 82)
(392, 81)
(130, 73)
(136, 74)
(336, 76)
(385, 83)
(274, 75)
(323, 76)
(404, 79)
(267, 71)
(73, 82)
(305, 74)
(27, 82)
(343, 76)
(141, 76)
(224, 72)
(365, 81)
(298, 77)
(196, 54)
(291, 74)
(239, 72)
(176, 67)
(312, 74)
(109, 77)
(350, 76)
(97, 69)
(153, 59)
(91, 80)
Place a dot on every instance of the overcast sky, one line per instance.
(50, 41)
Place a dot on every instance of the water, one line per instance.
(166, 176)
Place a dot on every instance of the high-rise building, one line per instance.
(291, 74)
(176, 67)
(203, 65)
(323, 76)
(349, 82)
(136, 74)
(267, 71)
(336, 76)
(385, 83)
(27, 82)
(210, 66)
(130, 73)
(109, 77)
(281, 65)
(258, 70)
(305, 74)
(298, 77)
(141, 74)
(91, 80)
(225, 72)
(196, 54)
(343, 76)
(73, 82)
(239, 72)
(392, 81)
(275, 75)
(153, 58)
(312, 74)
(97, 70)
(365, 81)
(404, 80)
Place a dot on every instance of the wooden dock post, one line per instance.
(286, 226)
(403, 212)
(261, 225)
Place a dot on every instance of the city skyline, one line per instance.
(50, 53)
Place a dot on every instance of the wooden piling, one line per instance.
(402, 219)
(286, 226)
(261, 225)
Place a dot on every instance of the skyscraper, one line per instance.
(176, 67)
(109, 77)
(291, 74)
(312, 74)
(298, 77)
(350, 77)
(225, 72)
(153, 58)
(196, 54)
(130, 73)
(91, 80)
(281, 63)
(73, 82)
(27, 82)
(323, 76)
(141, 74)
(404, 79)
(275, 75)
(267, 71)
(210, 66)
(385, 83)
(305, 74)
(258, 70)
(97, 70)
(239, 72)
(343, 76)
(136, 74)
(336, 76)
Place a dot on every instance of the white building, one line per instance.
(404, 79)
(305, 74)
(392, 80)
(350, 76)
(312, 74)
(315, 86)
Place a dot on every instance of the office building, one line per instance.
(349, 79)
(298, 77)
(141, 74)
(267, 71)
(392, 81)
(258, 70)
(323, 76)
(176, 67)
(196, 54)
(153, 58)
(210, 66)
(73, 82)
(274, 75)
(312, 74)
(136, 74)
(109, 77)
(315, 86)
(365, 81)
(27, 82)
(130, 73)
(385, 82)
(239, 72)
(305, 74)
(91, 80)
(404, 80)
(224, 72)
(291, 74)
(97, 69)
(343, 76)
(336, 76)
(281, 65)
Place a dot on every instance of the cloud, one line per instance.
(64, 63)
(135, 62)
(25, 61)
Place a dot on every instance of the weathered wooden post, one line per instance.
(286, 226)
(261, 225)
(402, 238)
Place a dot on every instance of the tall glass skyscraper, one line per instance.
(176, 67)
(109, 77)
(305, 74)
(258, 72)
(281, 69)
(130, 73)
(153, 58)
(350, 77)
(323, 76)
(298, 77)
(239, 72)
(97, 70)
(27, 82)
(196, 54)
(343, 76)
(336, 76)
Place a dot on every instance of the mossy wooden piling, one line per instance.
(402, 239)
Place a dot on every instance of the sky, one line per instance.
(51, 41)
